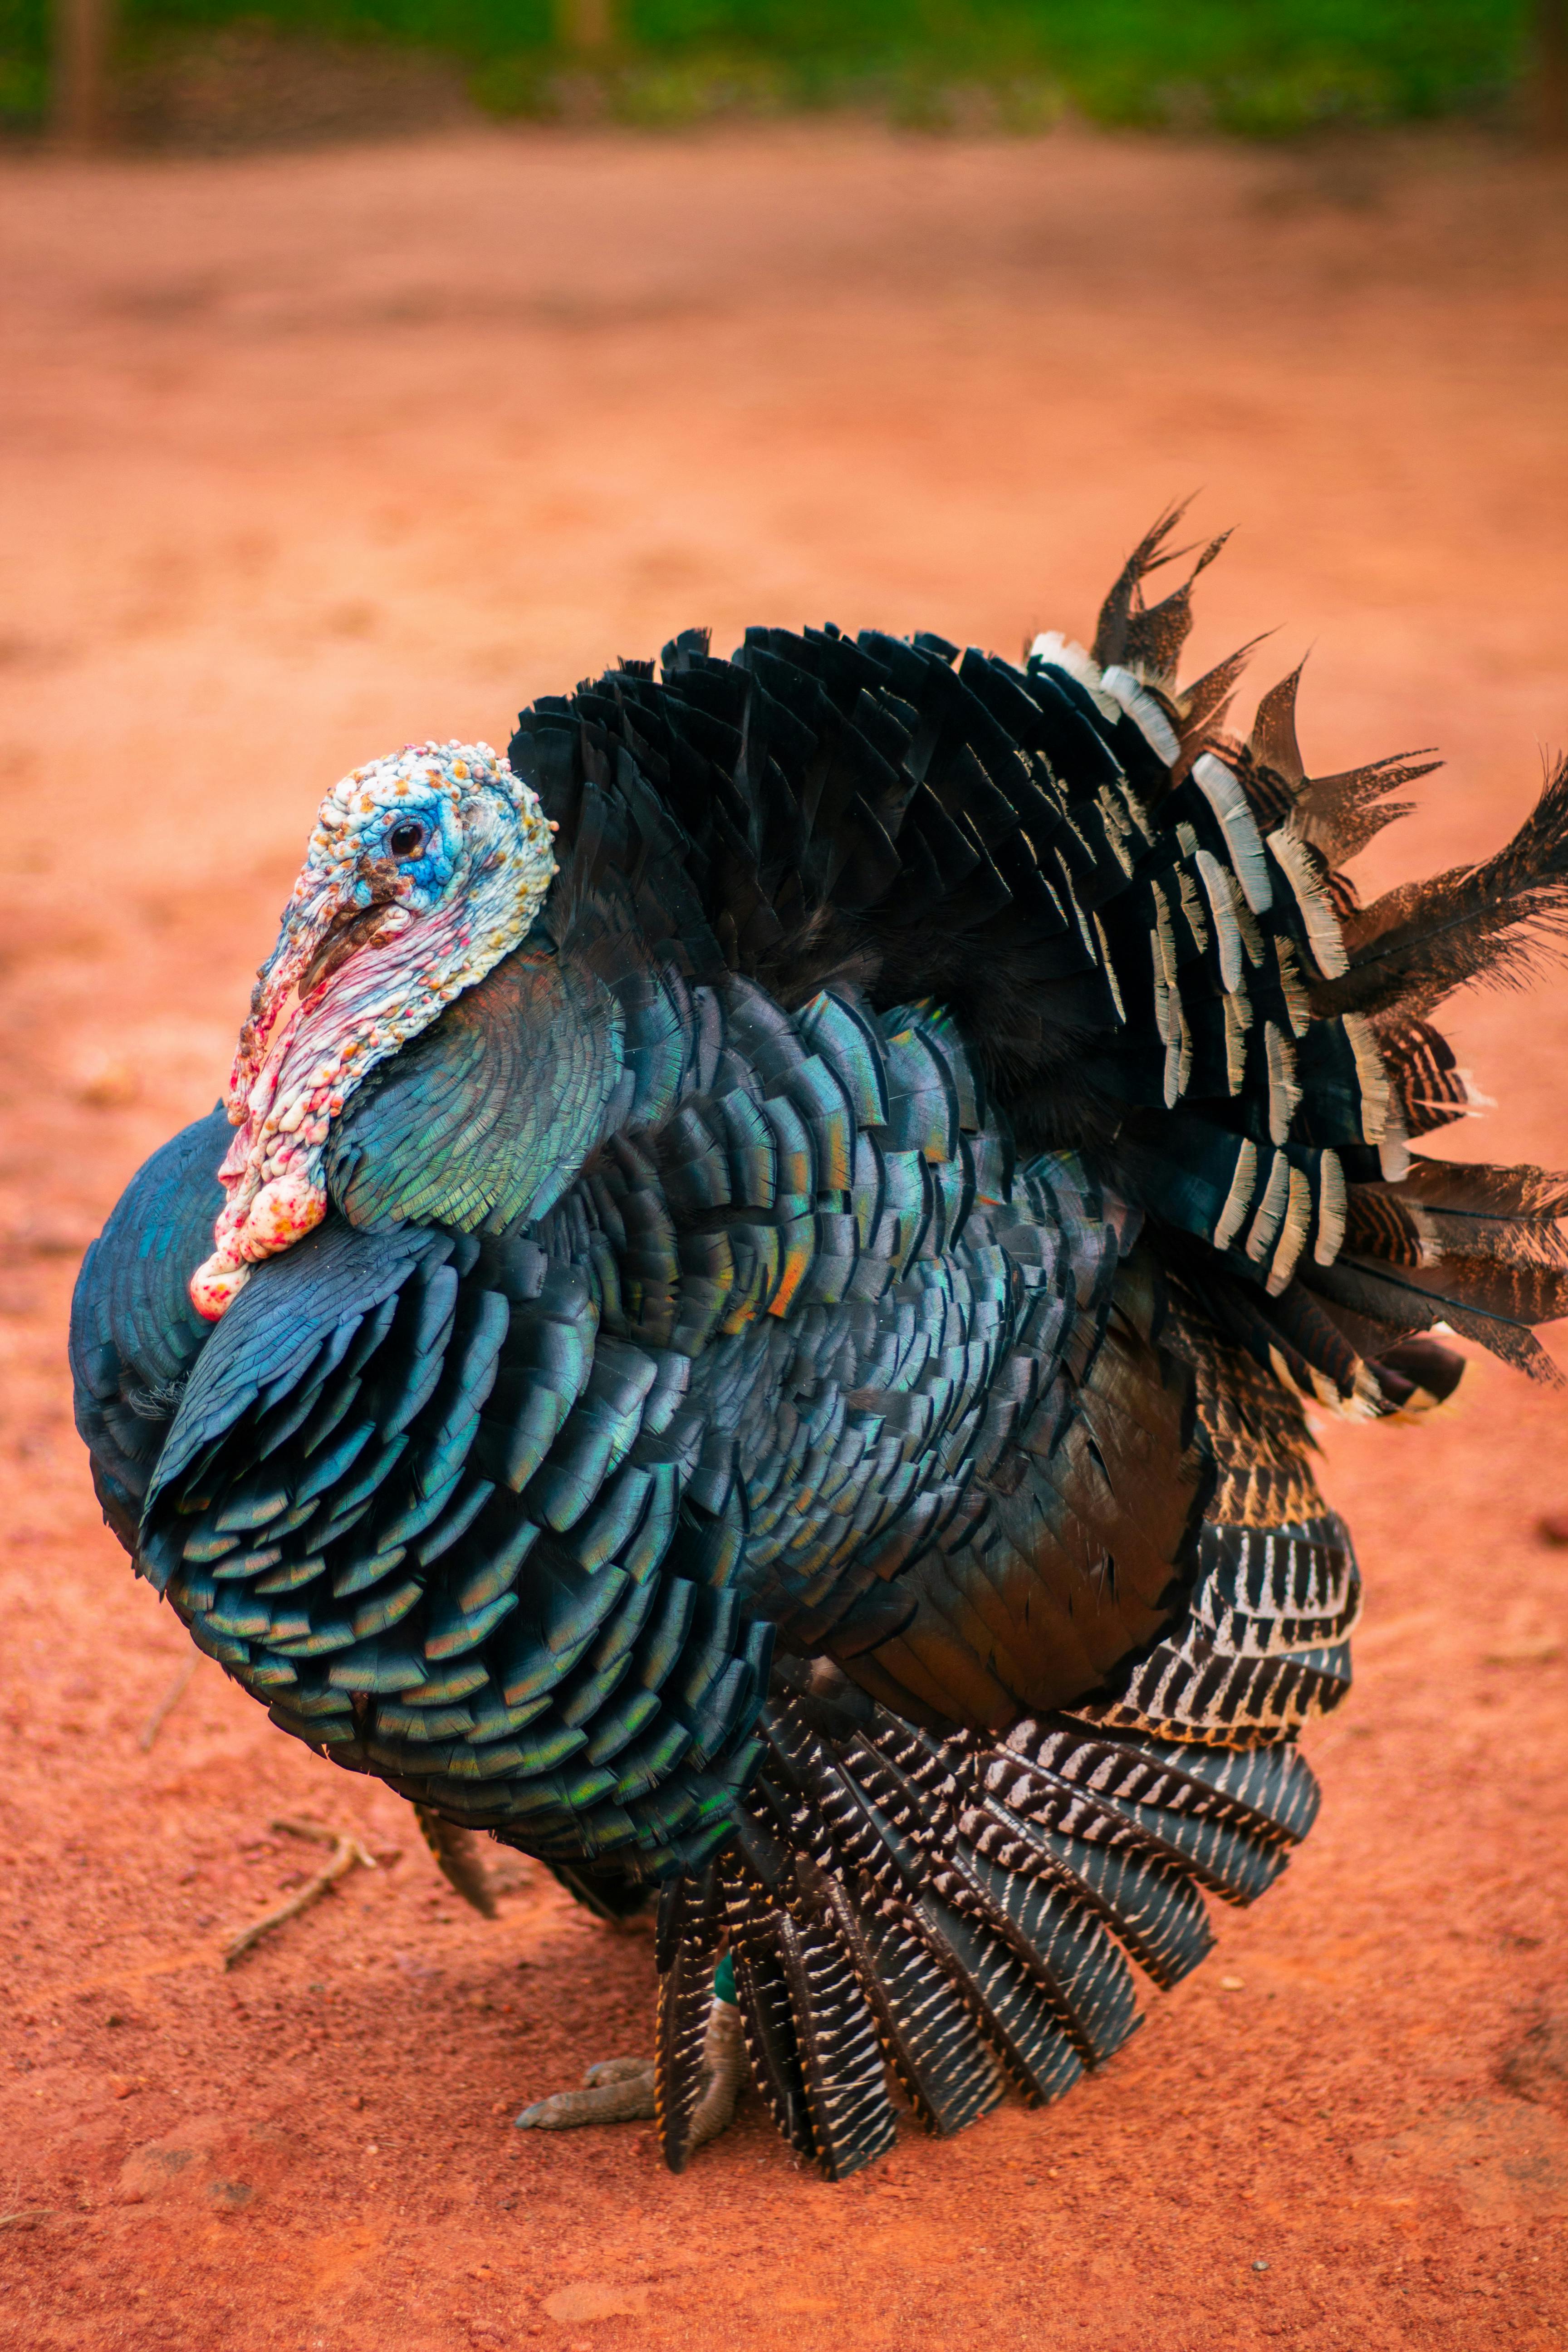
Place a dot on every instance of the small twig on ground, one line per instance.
(168, 1703)
(346, 1851)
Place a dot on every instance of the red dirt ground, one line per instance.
(308, 456)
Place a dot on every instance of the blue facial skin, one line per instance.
(429, 873)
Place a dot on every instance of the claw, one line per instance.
(619, 2091)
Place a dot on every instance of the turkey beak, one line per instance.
(320, 931)
(344, 932)
(283, 980)
(318, 934)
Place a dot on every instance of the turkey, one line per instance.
(749, 1325)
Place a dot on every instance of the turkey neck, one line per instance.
(486, 1117)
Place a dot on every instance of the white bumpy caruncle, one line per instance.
(413, 926)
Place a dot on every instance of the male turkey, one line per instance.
(762, 1308)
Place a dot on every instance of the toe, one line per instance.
(630, 2100)
(619, 2069)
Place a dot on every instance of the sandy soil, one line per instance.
(306, 457)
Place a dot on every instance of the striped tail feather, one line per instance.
(1265, 1644)
(810, 2034)
(1055, 1938)
(689, 1934)
(1219, 1814)
(942, 2064)
(956, 1916)
(1154, 1909)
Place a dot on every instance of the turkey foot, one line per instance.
(616, 2091)
(620, 2090)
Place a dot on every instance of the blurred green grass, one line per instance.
(1257, 67)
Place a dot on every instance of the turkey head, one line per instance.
(423, 870)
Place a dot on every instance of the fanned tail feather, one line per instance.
(953, 1916)
(1293, 1212)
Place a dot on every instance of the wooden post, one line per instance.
(83, 36)
(1550, 76)
(585, 27)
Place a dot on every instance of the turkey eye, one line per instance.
(406, 840)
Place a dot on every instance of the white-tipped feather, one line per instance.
(1117, 827)
(1109, 971)
(1238, 1200)
(1293, 1233)
(1312, 896)
(1162, 989)
(1290, 1380)
(1222, 906)
(1085, 934)
(1138, 815)
(1394, 1159)
(1475, 1104)
(1178, 1051)
(1145, 712)
(1427, 1236)
(1371, 1076)
(1245, 923)
(1265, 1224)
(1164, 933)
(1237, 1022)
(1284, 1087)
(1331, 1208)
(1192, 908)
(1292, 987)
(1172, 1083)
(1364, 1402)
(1066, 653)
(1224, 795)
